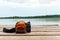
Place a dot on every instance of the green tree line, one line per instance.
(46, 16)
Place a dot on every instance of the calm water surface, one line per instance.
(36, 21)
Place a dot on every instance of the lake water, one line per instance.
(37, 21)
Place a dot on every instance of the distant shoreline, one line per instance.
(19, 17)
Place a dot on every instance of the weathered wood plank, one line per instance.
(29, 37)
(32, 34)
(36, 31)
(38, 28)
(42, 29)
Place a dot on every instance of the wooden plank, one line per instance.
(29, 37)
(32, 34)
(31, 25)
(36, 31)
(39, 28)
(42, 30)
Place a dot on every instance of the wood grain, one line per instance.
(39, 32)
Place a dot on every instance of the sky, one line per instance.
(29, 7)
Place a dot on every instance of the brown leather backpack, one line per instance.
(20, 27)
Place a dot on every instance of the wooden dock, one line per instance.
(39, 32)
